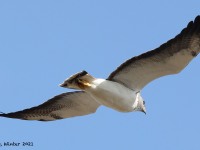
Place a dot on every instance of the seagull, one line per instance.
(121, 91)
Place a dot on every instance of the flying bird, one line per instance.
(121, 91)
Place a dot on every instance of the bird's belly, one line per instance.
(114, 95)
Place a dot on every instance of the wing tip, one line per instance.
(19, 116)
(12, 115)
(193, 28)
(197, 19)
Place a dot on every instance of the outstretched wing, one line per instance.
(61, 106)
(169, 58)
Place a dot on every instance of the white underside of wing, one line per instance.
(170, 58)
(137, 75)
(66, 105)
(81, 105)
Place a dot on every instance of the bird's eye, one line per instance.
(143, 102)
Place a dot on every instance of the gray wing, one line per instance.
(61, 106)
(169, 58)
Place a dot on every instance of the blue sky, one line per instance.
(44, 42)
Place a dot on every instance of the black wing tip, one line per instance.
(196, 22)
(193, 27)
(197, 19)
(19, 116)
(12, 115)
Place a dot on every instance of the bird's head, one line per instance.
(140, 104)
(80, 81)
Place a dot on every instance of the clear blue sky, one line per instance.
(44, 42)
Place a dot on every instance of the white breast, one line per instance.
(113, 94)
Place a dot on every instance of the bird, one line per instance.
(121, 90)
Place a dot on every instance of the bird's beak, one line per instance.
(144, 110)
